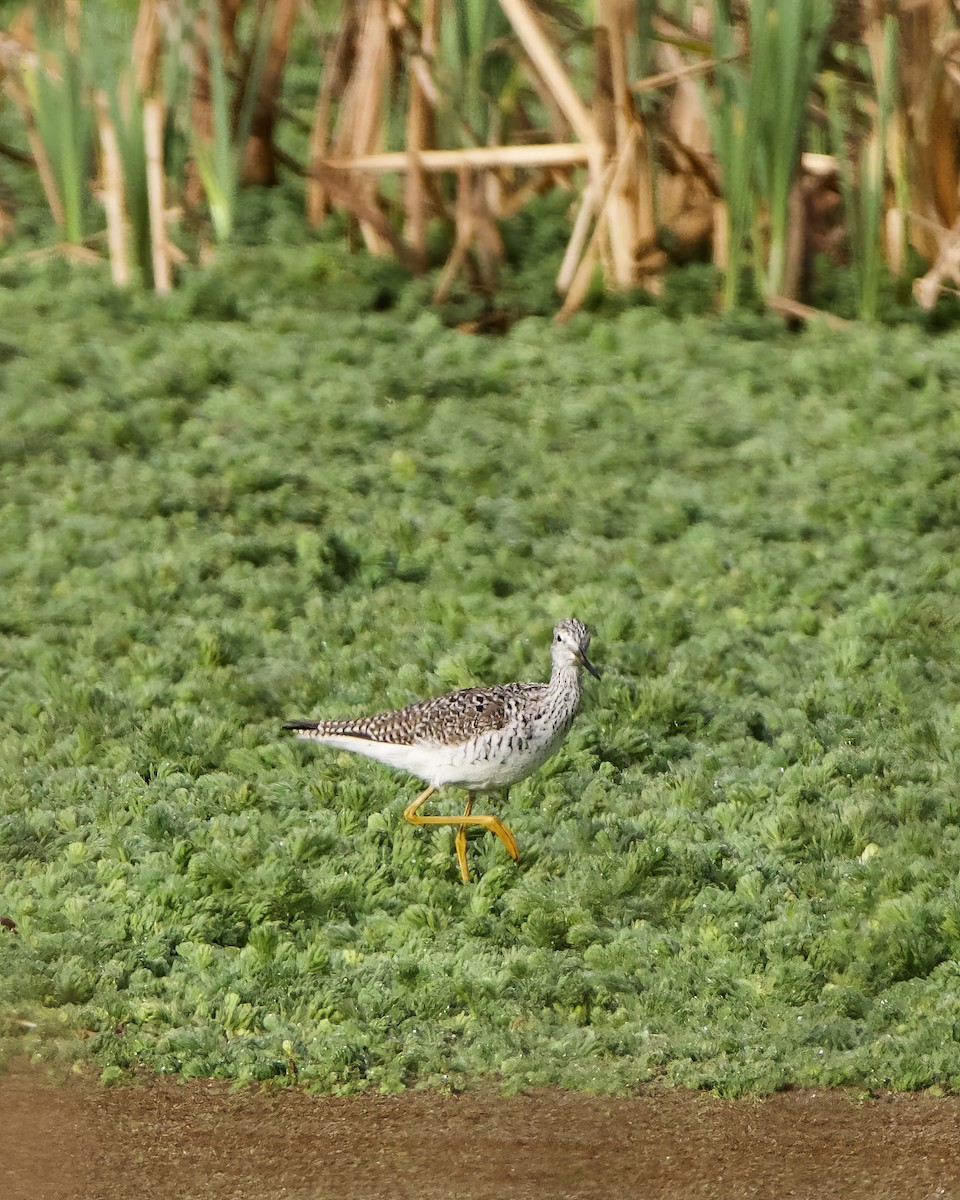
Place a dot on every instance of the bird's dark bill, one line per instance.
(590, 667)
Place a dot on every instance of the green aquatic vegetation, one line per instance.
(243, 505)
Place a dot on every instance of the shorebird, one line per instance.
(480, 739)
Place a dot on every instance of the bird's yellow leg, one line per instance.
(494, 824)
(461, 841)
(409, 813)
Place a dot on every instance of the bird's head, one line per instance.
(570, 641)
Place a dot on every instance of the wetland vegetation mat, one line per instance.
(256, 501)
(201, 1141)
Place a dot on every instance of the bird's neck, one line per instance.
(566, 685)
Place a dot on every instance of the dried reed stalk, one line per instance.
(594, 196)
(580, 284)
(331, 82)
(946, 265)
(464, 236)
(561, 154)
(153, 117)
(201, 105)
(922, 132)
(420, 133)
(113, 193)
(474, 225)
(360, 129)
(663, 79)
(343, 192)
(605, 119)
(721, 235)
(797, 237)
(259, 166)
(687, 183)
(793, 309)
(546, 63)
(71, 25)
(316, 197)
(229, 12)
(630, 218)
(147, 45)
(541, 54)
(418, 62)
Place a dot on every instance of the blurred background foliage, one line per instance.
(778, 140)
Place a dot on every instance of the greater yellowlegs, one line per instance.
(481, 738)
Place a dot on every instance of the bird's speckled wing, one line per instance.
(444, 720)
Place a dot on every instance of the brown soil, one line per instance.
(200, 1141)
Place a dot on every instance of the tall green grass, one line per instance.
(219, 157)
(863, 182)
(64, 118)
(261, 499)
(474, 57)
(758, 115)
(791, 36)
